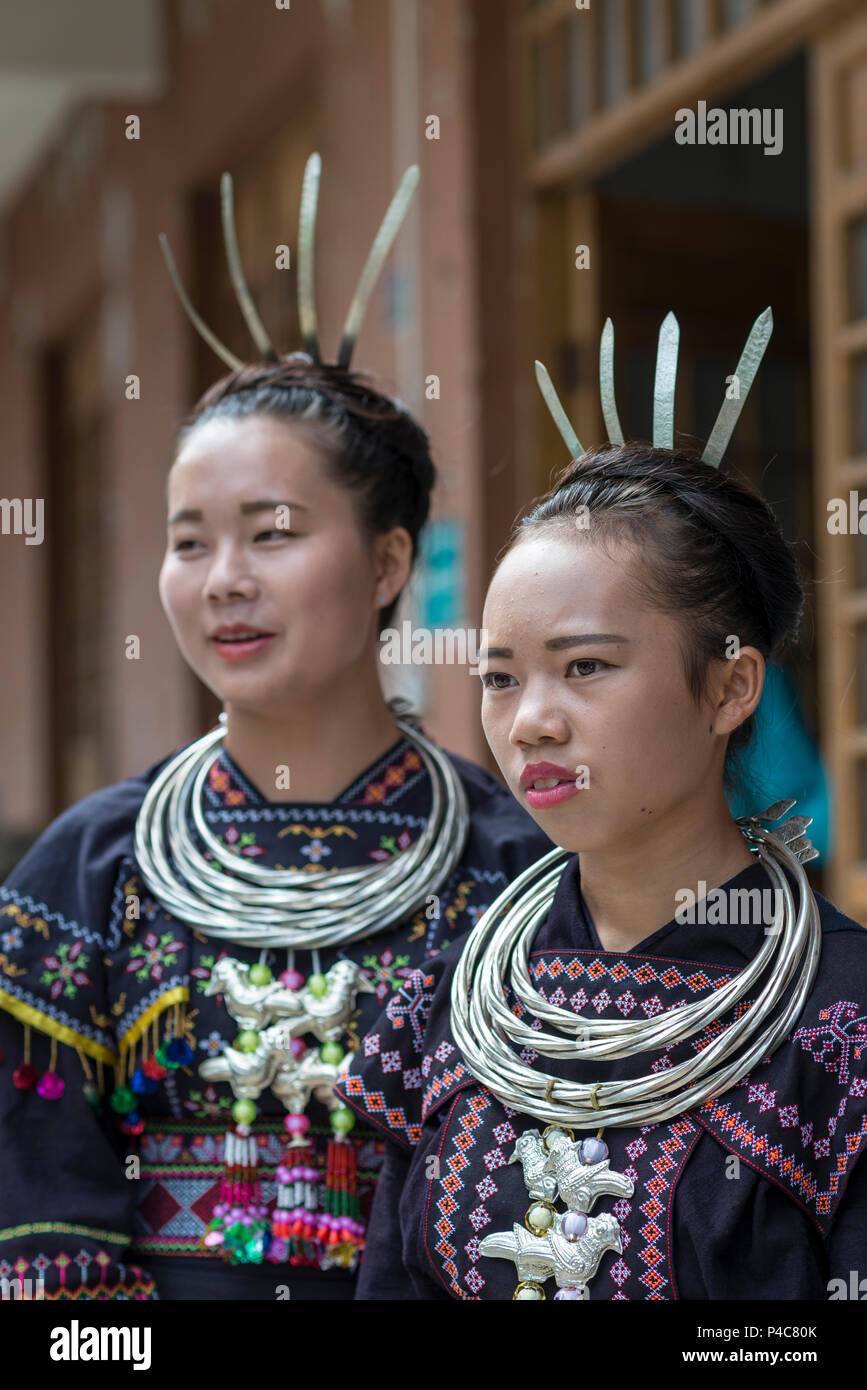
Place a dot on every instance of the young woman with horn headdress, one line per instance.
(644, 1076)
(192, 953)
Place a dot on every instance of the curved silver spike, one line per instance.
(306, 230)
(379, 250)
(198, 323)
(606, 384)
(778, 809)
(790, 832)
(664, 383)
(239, 284)
(745, 374)
(558, 414)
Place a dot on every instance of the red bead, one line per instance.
(152, 1068)
(25, 1077)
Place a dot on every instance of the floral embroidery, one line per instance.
(394, 776)
(318, 832)
(380, 969)
(10, 940)
(9, 969)
(152, 955)
(389, 847)
(24, 918)
(207, 1102)
(315, 851)
(212, 1044)
(65, 971)
(202, 972)
(221, 784)
(239, 842)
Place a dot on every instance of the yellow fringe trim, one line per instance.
(179, 995)
(47, 1228)
(25, 1013)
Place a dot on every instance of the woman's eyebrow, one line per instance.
(246, 509)
(558, 644)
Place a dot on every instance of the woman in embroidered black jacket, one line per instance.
(629, 624)
(95, 972)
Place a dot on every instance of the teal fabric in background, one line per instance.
(781, 760)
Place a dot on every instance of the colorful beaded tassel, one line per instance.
(239, 1227)
(341, 1232)
(294, 1218)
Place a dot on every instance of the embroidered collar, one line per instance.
(383, 783)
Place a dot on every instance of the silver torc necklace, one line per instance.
(569, 1245)
(316, 1218)
(245, 903)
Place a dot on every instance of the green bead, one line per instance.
(244, 1112)
(260, 975)
(342, 1120)
(91, 1094)
(123, 1100)
(318, 985)
(247, 1041)
(331, 1052)
(162, 1057)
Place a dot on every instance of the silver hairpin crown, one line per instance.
(382, 244)
(664, 389)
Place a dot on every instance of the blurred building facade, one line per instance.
(553, 194)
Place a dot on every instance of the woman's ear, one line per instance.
(392, 555)
(737, 689)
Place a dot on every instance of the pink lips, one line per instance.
(239, 651)
(540, 799)
(551, 796)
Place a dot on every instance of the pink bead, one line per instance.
(296, 1124)
(283, 1174)
(214, 1238)
(291, 979)
(297, 1047)
(50, 1087)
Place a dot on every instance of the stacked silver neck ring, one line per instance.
(250, 905)
(499, 946)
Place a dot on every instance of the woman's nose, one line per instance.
(229, 575)
(538, 719)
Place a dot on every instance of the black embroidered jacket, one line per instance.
(756, 1194)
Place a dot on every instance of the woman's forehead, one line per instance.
(550, 580)
(547, 564)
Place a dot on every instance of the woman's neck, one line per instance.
(322, 744)
(630, 890)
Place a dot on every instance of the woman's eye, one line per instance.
(587, 661)
(490, 676)
(185, 545)
(276, 531)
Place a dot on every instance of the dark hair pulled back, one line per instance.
(370, 443)
(711, 554)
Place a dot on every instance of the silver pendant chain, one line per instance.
(251, 905)
(500, 945)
